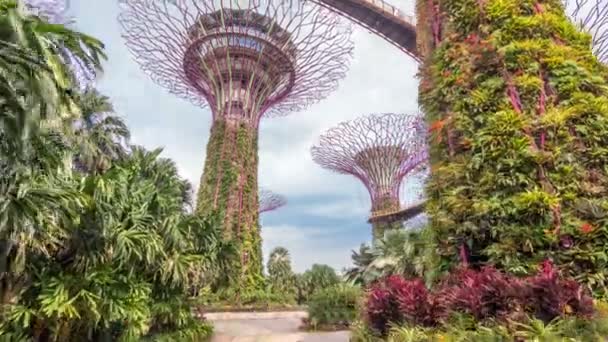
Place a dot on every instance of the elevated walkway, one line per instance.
(381, 18)
(403, 214)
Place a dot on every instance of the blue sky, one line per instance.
(327, 213)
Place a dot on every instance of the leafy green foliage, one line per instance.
(336, 306)
(229, 190)
(96, 242)
(99, 136)
(316, 278)
(124, 261)
(35, 84)
(401, 252)
(518, 109)
(281, 278)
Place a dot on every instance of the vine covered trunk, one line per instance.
(518, 110)
(229, 189)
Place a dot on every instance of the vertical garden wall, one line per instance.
(518, 110)
(229, 188)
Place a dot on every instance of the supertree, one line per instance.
(56, 12)
(245, 60)
(270, 201)
(592, 17)
(380, 150)
(517, 102)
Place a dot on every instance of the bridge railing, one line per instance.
(392, 10)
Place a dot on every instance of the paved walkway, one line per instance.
(266, 327)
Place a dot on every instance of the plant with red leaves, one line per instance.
(413, 298)
(548, 296)
(396, 300)
(485, 294)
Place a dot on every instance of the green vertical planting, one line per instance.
(518, 110)
(229, 188)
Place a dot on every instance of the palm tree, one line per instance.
(281, 277)
(101, 138)
(404, 252)
(34, 82)
(360, 273)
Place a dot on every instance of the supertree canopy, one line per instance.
(55, 12)
(380, 150)
(245, 60)
(270, 201)
(592, 17)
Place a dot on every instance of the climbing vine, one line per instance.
(518, 110)
(229, 189)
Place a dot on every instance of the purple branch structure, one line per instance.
(245, 60)
(270, 201)
(55, 12)
(592, 17)
(380, 150)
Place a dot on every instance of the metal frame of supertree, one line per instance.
(379, 150)
(270, 201)
(307, 42)
(55, 11)
(592, 17)
(245, 60)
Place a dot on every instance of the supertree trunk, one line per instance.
(517, 105)
(389, 204)
(229, 188)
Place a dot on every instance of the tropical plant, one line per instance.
(281, 278)
(123, 263)
(35, 83)
(335, 307)
(470, 300)
(590, 16)
(110, 254)
(316, 278)
(517, 105)
(395, 300)
(99, 136)
(402, 252)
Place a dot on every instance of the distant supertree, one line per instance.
(245, 60)
(592, 16)
(55, 12)
(270, 201)
(380, 150)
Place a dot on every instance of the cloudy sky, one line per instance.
(327, 213)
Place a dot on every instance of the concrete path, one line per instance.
(266, 327)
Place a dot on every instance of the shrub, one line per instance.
(335, 306)
(485, 295)
(396, 300)
(548, 296)
(482, 297)
(316, 278)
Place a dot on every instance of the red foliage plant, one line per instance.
(487, 294)
(396, 300)
(484, 294)
(548, 296)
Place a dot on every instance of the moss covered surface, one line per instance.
(518, 109)
(229, 188)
